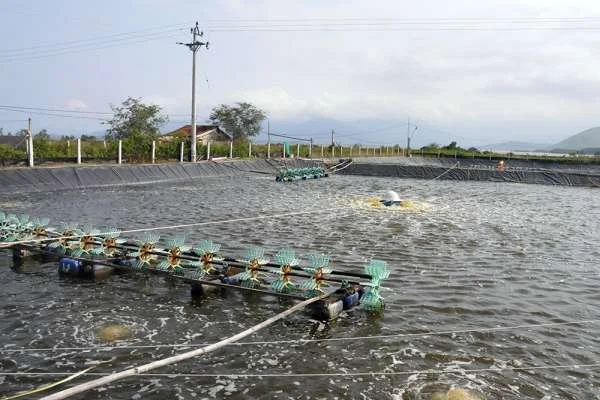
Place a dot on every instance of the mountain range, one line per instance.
(587, 141)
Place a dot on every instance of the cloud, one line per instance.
(498, 72)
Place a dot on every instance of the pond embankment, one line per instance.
(517, 171)
(24, 180)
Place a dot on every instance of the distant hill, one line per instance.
(588, 139)
(515, 146)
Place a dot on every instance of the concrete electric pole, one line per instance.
(194, 46)
(408, 136)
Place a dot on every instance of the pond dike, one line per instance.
(478, 170)
(40, 179)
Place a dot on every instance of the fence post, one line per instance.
(181, 146)
(297, 150)
(30, 144)
(120, 151)
(249, 149)
(153, 152)
(231, 149)
(322, 156)
(341, 151)
(332, 152)
(310, 148)
(208, 150)
(78, 150)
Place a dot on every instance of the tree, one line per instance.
(242, 120)
(451, 146)
(42, 135)
(88, 138)
(134, 118)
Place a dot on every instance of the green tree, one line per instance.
(41, 135)
(88, 138)
(42, 145)
(451, 146)
(241, 120)
(134, 118)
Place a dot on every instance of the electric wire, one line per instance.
(298, 25)
(37, 56)
(52, 114)
(98, 39)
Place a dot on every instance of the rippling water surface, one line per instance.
(472, 256)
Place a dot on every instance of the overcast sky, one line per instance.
(475, 72)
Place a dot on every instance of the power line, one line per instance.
(94, 40)
(307, 25)
(93, 47)
(350, 23)
(63, 110)
(52, 115)
(55, 110)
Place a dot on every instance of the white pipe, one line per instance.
(180, 357)
(120, 155)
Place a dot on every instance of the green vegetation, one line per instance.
(242, 121)
(137, 125)
(137, 148)
(134, 118)
(10, 154)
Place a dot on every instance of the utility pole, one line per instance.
(408, 135)
(268, 139)
(194, 46)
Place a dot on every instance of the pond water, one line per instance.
(467, 259)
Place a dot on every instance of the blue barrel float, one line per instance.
(71, 267)
(331, 308)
